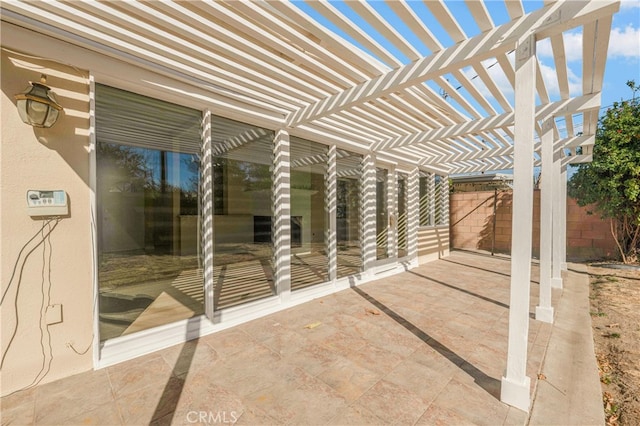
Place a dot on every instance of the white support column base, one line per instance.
(556, 282)
(564, 266)
(516, 394)
(544, 314)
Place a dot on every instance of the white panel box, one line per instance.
(47, 203)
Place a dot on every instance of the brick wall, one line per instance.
(588, 237)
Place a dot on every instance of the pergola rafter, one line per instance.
(546, 22)
(346, 76)
(294, 72)
(569, 106)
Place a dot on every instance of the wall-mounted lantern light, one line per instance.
(37, 105)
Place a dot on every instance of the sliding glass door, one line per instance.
(149, 191)
(243, 218)
(148, 212)
(309, 213)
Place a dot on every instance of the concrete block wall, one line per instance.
(588, 236)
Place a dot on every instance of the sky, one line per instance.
(623, 58)
(623, 62)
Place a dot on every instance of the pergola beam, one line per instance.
(499, 164)
(554, 109)
(480, 14)
(514, 8)
(323, 39)
(446, 19)
(571, 142)
(337, 18)
(292, 65)
(369, 14)
(415, 24)
(576, 141)
(491, 85)
(545, 22)
(577, 159)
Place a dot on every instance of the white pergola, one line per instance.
(274, 65)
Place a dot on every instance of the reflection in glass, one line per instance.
(242, 186)
(382, 220)
(148, 217)
(403, 249)
(149, 241)
(349, 171)
(309, 222)
(441, 200)
(426, 217)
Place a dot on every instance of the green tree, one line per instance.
(611, 182)
(123, 169)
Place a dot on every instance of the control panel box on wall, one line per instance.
(47, 203)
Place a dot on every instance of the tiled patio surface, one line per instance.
(424, 347)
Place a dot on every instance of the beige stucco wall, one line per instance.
(433, 243)
(55, 158)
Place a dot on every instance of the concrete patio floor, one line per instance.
(426, 346)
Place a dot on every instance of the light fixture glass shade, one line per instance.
(37, 105)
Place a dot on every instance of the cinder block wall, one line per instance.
(588, 237)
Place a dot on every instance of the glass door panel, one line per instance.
(403, 249)
(243, 217)
(382, 217)
(148, 215)
(149, 240)
(309, 213)
(349, 171)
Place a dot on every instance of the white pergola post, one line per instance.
(544, 310)
(331, 182)
(558, 218)
(563, 221)
(368, 211)
(515, 383)
(281, 229)
(392, 206)
(206, 203)
(413, 212)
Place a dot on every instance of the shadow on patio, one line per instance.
(420, 347)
